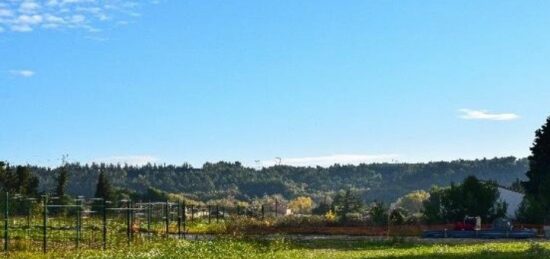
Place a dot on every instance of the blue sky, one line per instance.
(311, 82)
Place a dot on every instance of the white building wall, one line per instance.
(513, 199)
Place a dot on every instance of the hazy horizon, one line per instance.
(263, 164)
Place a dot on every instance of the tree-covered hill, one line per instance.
(383, 181)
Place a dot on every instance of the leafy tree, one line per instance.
(517, 186)
(330, 216)
(530, 211)
(537, 198)
(433, 207)
(378, 213)
(471, 198)
(104, 189)
(323, 208)
(398, 216)
(413, 202)
(301, 205)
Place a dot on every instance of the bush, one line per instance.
(303, 221)
(240, 224)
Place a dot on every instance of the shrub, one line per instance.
(303, 221)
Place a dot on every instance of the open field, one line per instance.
(283, 248)
(233, 238)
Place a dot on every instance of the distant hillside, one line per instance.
(219, 180)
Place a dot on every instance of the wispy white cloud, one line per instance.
(127, 159)
(469, 114)
(90, 15)
(22, 73)
(343, 159)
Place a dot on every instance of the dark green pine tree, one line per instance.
(536, 204)
(27, 184)
(347, 202)
(5, 176)
(62, 180)
(61, 184)
(104, 189)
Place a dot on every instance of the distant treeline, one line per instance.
(383, 181)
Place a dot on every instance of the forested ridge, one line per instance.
(381, 181)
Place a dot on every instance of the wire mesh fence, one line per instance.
(52, 223)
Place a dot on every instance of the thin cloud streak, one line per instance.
(468, 114)
(22, 73)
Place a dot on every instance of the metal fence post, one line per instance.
(128, 227)
(184, 217)
(45, 225)
(217, 213)
(209, 210)
(149, 209)
(167, 219)
(192, 213)
(77, 223)
(6, 223)
(179, 220)
(263, 211)
(131, 220)
(104, 219)
(29, 218)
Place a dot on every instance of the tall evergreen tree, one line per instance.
(62, 179)
(3, 175)
(26, 183)
(536, 204)
(347, 202)
(104, 189)
(9, 179)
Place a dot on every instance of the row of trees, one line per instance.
(18, 180)
(21, 181)
(309, 186)
(384, 182)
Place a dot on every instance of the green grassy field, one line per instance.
(26, 243)
(280, 248)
